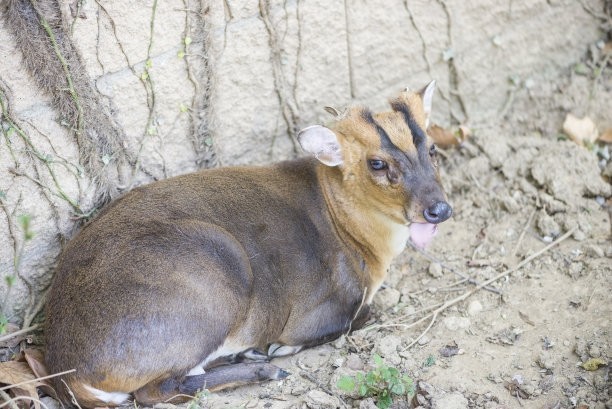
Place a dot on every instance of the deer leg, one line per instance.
(218, 378)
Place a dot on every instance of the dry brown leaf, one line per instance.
(579, 130)
(445, 138)
(13, 373)
(36, 359)
(606, 136)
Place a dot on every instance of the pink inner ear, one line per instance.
(322, 143)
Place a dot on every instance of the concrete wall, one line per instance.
(198, 83)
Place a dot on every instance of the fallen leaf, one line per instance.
(606, 136)
(580, 131)
(36, 359)
(593, 364)
(445, 138)
(14, 373)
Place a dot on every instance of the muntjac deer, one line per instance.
(199, 280)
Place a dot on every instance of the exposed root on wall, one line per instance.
(54, 63)
(200, 74)
(454, 98)
(281, 86)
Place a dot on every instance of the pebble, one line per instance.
(594, 251)
(354, 362)
(367, 404)
(579, 235)
(387, 347)
(449, 401)
(298, 390)
(435, 270)
(456, 323)
(548, 226)
(340, 342)
(545, 360)
(594, 351)
(474, 308)
(423, 340)
(510, 204)
(320, 400)
(386, 298)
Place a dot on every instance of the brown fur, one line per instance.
(242, 257)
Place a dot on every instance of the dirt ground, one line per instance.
(516, 186)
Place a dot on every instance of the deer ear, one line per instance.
(427, 96)
(322, 143)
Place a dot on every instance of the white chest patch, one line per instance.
(398, 238)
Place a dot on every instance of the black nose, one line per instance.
(438, 212)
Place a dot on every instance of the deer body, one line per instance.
(180, 276)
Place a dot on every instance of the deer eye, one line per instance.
(377, 164)
(433, 150)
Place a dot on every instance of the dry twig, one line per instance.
(457, 272)
(17, 333)
(462, 297)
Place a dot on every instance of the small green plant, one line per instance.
(430, 361)
(9, 279)
(196, 402)
(382, 383)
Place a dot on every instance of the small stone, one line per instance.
(474, 308)
(435, 270)
(422, 401)
(298, 390)
(367, 404)
(354, 362)
(510, 204)
(594, 351)
(528, 388)
(386, 298)
(423, 340)
(579, 235)
(340, 342)
(548, 226)
(426, 389)
(456, 323)
(453, 400)
(545, 360)
(387, 348)
(320, 400)
(594, 251)
(576, 269)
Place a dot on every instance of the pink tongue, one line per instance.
(422, 233)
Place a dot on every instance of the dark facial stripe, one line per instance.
(386, 142)
(418, 135)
